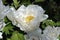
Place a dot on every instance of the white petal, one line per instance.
(50, 33)
(10, 15)
(36, 35)
(1, 35)
(21, 8)
(2, 24)
(44, 17)
(3, 10)
(35, 9)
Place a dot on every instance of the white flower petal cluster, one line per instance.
(3, 12)
(51, 33)
(34, 35)
(27, 18)
(1, 35)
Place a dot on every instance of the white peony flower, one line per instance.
(51, 33)
(1, 35)
(27, 18)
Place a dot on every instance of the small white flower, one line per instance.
(27, 18)
(1, 35)
(51, 33)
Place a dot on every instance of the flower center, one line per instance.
(28, 19)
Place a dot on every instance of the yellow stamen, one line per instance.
(28, 19)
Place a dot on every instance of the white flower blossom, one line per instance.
(27, 18)
(51, 33)
(1, 35)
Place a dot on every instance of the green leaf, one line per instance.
(17, 36)
(16, 3)
(48, 22)
(58, 23)
(6, 20)
(8, 39)
(58, 37)
(39, 0)
(25, 2)
(4, 1)
(7, 28)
